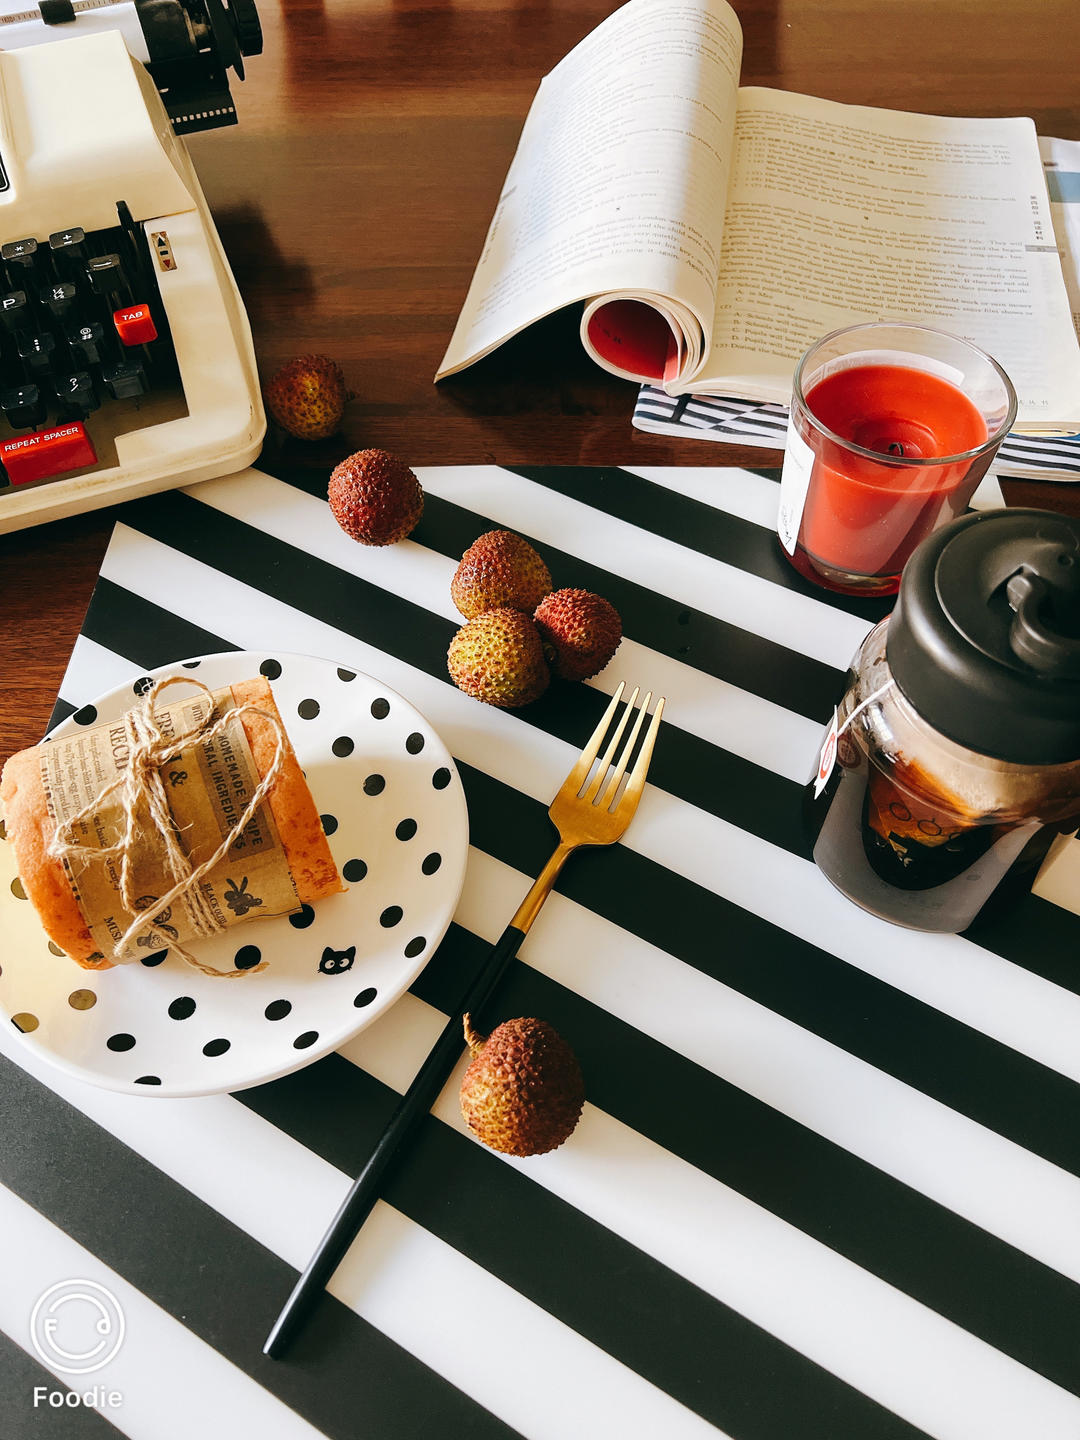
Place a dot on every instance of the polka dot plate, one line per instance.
(394, 813)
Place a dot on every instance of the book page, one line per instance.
(620, 177)
(840, 214)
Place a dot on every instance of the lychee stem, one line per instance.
(474, 1041)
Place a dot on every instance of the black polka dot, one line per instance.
(431, 863)
(405, 830)
(342, 746)
(182, 1007)
(414, 947)
(192, 665)
(441, 778)
(300, 921)
(390, 916)
(374, 785)
(346, 674)
(415, 743)
(216, 1047)
(308, 1038)
(354, 870)
(270, 668)
(144, 683)
(308, 709)
(329, 824)
(380, 708)
(86, 716)
(154, 958)
(365, 997)
(148, 1080)
(121, 1042)
(277, 1009)
(247, 957)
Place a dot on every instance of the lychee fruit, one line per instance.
(307, 397)
(497, 658)
(523, 1092)
(499, 571)
(375, 497)
(580, 632)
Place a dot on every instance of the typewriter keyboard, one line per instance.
(85, 351)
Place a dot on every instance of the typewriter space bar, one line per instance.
(46, 453)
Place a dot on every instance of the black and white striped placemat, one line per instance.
(826, 1185)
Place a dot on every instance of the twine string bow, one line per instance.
(142, 794)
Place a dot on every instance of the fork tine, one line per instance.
(605, 763)
(577, 775)
(612, 787)
(636, 783)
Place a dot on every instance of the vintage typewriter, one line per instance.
(126, 363)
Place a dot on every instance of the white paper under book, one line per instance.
(82, 126)
(714, 231)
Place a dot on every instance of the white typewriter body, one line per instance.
(63, 171)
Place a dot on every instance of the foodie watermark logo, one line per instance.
(77, 1326)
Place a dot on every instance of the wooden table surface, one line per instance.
(354, 195)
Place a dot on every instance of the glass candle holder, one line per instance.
(892, 427)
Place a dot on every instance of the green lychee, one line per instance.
(498, 658)
(307, 397)
(499, 571)
(523, 1092)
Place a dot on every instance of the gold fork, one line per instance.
(591, 808)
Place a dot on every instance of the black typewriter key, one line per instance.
(24, 407)
(15, 312)
(20, 256)
(87, 343)
(106, 274)
(37, 352)
(59, 299)
(69, 247)
(76, 395)
(125, 380)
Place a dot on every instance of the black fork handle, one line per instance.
(408, 1113)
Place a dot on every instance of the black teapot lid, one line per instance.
(985, 637)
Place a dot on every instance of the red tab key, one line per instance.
(135, 325)
(46, 453)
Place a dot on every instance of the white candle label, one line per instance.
(794, 483)
(826, 758)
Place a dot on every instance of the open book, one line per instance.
(714, 232)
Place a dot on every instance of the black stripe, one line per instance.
(918, 1044)
(143, 631)
(750, 796)
(643, 884)
(961, 1067)
(992, 1290)
(664, 1328)
(208, 1273)
(657, 510)
(60, 712)
(716, 647)
(20, 1373)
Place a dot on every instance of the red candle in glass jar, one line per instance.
(865, 515)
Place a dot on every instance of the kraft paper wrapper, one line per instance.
(207, 785)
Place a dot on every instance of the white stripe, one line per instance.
(683, 575)
(714, 710)
(993, 1182)
(412, 1286)
(845, 1319)
(174, 1385)
(1003, 1000)
(738, 492)
(908, 1135)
